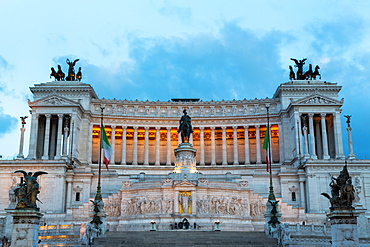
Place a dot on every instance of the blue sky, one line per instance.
(158, 50)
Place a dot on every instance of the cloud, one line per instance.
(170, 10)
(3, 63)
(7, 123)
(202, 66)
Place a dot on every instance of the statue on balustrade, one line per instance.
(27, 191)
(310, 74)
(71, 70)
(185, 127)
(342, 191)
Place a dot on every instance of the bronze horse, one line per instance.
(316, 73)
(291, 73)
(308, 74)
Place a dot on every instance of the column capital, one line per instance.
(60, 115)
(213, 127)
(146, 127)
(157, 128)
(201, 127)
(235, 127)
(48, 115)
(124, 127)
(168, 128)
(246, 127)
(257, 125)
(135, 127)
(323, 114)
(223, 127)
(311, 114)
(113, 127)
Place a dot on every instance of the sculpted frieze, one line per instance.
(146, 205)
(222, 205)
(54, 101)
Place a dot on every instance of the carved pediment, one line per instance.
(185, 183)
(317, 99)
(54, 100)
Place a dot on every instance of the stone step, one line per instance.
(184, 238)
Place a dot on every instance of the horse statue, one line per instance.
(79, 74)
(299, 64)
(316, 73)
(308, 74)
(59, 76)
(60, 73)
(291, 73)
(71, 70)
(185, 127)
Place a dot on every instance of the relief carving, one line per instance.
(222, 205)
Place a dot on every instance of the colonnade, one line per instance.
(49, 136)
(319, 135)
(153, 145)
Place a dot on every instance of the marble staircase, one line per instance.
(182, 238)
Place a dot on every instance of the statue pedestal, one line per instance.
(271, 229)
(344, 230)
(26, 224)
(185, 159)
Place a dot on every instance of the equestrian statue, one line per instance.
(185, 127)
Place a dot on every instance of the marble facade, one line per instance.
(231, 184)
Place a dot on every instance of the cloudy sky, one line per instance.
(158, 50)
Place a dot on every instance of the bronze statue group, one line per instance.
(72, 76)
(301, 75)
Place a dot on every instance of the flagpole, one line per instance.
(98, 191)
(98, 205)
(271, 194)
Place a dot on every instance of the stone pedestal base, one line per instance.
(185, 159)
(344, 230)
(25, 227)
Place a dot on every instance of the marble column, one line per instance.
(338, 136)
(350, 147)
(305, 136)
(299, 137)
(312, 136)
(33, 136)
(21, 143)
(124, 133)
(157, 146)
(59, 137)
(318, 139)
(246, 145)
(65, 140)
(235, 137)
(201, 146)
(324, 137)
(113, 145)
(146, 146)
(89, 144)
(302, 193)
(168, 162)
(134, 153)
(258, 144)
(224, 152)
(69, 191)
(213, 146)
(45, 155)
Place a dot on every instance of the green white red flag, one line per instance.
(266, 146)
(107, 149)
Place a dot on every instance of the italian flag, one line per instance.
(266, 146)
(107, 149)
